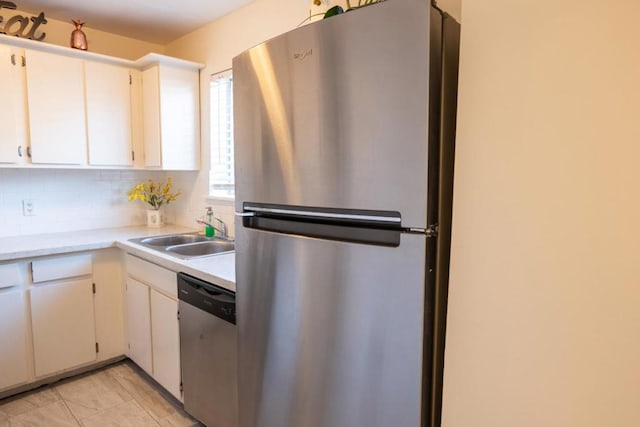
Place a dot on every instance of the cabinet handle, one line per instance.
(19, 150)
(24, 61)
(13, 59)
(29, 152)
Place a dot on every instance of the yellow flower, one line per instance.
(155, 194)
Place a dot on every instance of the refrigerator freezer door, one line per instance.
(330, 333)
(335, 114)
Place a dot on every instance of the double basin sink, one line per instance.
(187, 246)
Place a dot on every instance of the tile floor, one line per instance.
(115, 396)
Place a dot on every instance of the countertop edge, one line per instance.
(55, 250)
(218, 269)
(184, 266)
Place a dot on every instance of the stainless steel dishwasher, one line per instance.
(208, 350)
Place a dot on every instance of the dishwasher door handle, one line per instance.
(215, 295)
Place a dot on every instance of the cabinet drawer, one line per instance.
(9, 275)
(153, 275)
(61, 267)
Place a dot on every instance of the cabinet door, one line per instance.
(13, 339)
(13, 138)
(180, 118)
(139, 324)
(55, 88)
(108, 114)
(151, 117)
(63, 325)
(137, 119)
(109, 303)
(171, 110)
(166, 342)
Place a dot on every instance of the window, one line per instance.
(221, 180)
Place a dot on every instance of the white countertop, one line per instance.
(218, 269)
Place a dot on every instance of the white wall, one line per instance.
(544, 307)
(59, 33)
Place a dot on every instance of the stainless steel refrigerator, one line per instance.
(344, 145)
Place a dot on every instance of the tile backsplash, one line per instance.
(68, 200)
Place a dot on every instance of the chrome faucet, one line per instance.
(223, 230)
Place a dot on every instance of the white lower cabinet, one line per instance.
(109, 303)
(165, 339)
(139, 324)
(152, 322)
(63, 324)
(73, 311)
(14, 366)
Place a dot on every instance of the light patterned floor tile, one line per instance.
(53, 415)
(127, 414)
(91, 394)
(118, 396)
(27, 402)
(143, 392)
(179, 419)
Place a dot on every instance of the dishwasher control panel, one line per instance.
(208, 297)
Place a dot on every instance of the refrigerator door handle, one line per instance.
(430, 231)
(253, 210)
(326, 231)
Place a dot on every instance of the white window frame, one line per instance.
(214, 144)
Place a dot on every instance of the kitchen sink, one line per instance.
(176, 239)
(187, 246)
(202, 248)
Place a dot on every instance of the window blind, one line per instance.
(221, 175)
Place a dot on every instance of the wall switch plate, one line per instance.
(28, 208)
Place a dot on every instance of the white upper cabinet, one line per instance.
(64, 107)
(108, 114)
(137, 119)
(55, 88)
(171, 110)
(13, 137)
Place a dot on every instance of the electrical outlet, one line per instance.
(28, 207)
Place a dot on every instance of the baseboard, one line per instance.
(61, 376)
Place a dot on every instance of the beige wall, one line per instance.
(59, 33)
(544, 313)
